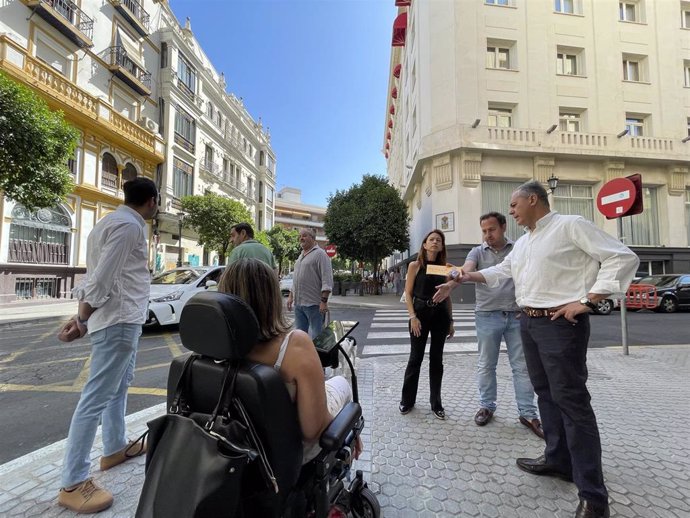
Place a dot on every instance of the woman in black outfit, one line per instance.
(426, 317)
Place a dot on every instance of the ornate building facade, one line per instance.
(105, 81)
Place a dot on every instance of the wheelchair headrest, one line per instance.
(218, 325)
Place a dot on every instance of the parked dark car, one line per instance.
(672, 290)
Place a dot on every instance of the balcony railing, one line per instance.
(66, 17)
(135, 14)
(210, 167)
(109, 180)
(17, 63)
(25, 251)
(126, 69)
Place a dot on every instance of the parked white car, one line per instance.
(171, 290)
(286, 284)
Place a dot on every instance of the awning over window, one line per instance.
(390, 123)
(392, 110)
(396, 70)
(399, 30)
(388, 146)
(386, 154)
(130, 47)
(394, 93)
(388, 135)
(403, 3)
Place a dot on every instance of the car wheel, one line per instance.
(604, 307)
(668, 305)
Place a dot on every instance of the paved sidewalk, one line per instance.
(420, 466)
(15, 314)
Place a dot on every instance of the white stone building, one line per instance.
(212, 143)
(487, 94)
(294, 214)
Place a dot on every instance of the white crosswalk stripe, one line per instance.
(388, 334)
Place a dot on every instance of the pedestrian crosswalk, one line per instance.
(388, 333)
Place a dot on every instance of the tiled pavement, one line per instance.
(420, 466)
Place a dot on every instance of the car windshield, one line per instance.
(660, 281)
(177, 276)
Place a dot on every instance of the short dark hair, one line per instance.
(499, 217)
(244, 226)
(534, 187)
(139, 191)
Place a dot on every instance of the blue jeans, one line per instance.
(491, 327)
(309, 319)
(113, 353)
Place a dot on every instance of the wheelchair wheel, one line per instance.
(368, 505)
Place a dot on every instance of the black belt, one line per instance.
(428, 302)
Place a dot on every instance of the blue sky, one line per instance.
(316, 71)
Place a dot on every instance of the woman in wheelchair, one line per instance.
(291, 352)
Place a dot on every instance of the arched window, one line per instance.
(129, 173)
(41, 237)
(108, 171)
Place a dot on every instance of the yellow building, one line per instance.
(105, 83)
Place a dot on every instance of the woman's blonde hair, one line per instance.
(257, 284)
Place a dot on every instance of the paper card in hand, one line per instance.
(435, 269)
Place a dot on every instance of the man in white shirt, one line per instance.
(113, 299)
(561, 267)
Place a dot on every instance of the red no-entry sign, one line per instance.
(616, 198)
(331, 251)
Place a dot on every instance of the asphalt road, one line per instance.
(41, 378)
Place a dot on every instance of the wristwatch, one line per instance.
(586, 302)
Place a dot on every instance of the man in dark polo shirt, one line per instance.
(497, 317)
(312, 283)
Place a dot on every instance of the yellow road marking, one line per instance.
(174, 347)
(13, 356)
(14, 387)
(64, 360)
(151, 367)
(83, 376)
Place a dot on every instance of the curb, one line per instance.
(28, 322)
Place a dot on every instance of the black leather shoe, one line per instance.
(404, 409)
(483, 416)
(534, 425)
(539, 466)
(589, 510)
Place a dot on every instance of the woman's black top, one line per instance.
(425, 285)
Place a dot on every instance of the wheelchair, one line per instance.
(219, 328)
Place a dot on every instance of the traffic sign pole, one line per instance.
(624, 309)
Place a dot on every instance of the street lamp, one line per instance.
(180, 221)
(553, 182)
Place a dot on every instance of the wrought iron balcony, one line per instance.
(124, 67)
(134, 13)
(211, 167)
(66, 17)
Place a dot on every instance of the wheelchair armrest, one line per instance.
(334, 436)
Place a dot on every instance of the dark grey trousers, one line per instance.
(556, 355)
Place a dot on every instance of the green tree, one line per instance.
(35, 144)
(262, 237)
(285, 244)
(367, 222)
(211, 216)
